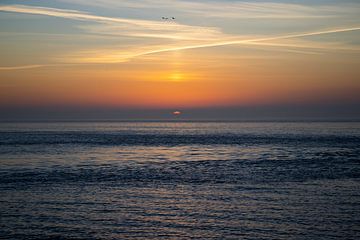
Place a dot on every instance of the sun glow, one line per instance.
(176, 77)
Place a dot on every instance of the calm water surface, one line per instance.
(159, 180)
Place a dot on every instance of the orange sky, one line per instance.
(95, 58)
(146, 83)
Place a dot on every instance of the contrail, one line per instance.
(296, 35)
(257, 41)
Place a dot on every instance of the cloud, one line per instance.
(117, 56)
(186, 36)
(21, 67)
(314, 33)
(121, 26)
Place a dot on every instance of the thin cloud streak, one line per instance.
(21, 67)
(127, 27)
(259, 40)
(123, 57)
(297, 35)
(67, 13)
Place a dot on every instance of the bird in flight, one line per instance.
(167, 18)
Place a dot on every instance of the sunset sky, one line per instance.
(120, 55)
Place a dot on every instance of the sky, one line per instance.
(229, 59)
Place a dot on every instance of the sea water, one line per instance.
(180, 180)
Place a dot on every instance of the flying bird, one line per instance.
(167, 18)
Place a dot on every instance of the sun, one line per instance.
(177, 113)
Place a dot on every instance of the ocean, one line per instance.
(180, 180)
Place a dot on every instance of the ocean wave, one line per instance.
(94, 138)
(194, 172)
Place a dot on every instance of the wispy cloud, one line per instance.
(21, 67)
(122, 26)
(314, 33)
(117, 56)
(186, 36)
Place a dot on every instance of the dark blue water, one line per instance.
(180, 180)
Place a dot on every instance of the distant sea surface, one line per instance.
(180, 180)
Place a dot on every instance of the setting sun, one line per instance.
(177, 113)
(179, 119)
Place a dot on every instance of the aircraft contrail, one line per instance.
(250, 41)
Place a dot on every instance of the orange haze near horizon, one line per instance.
(154, 85)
